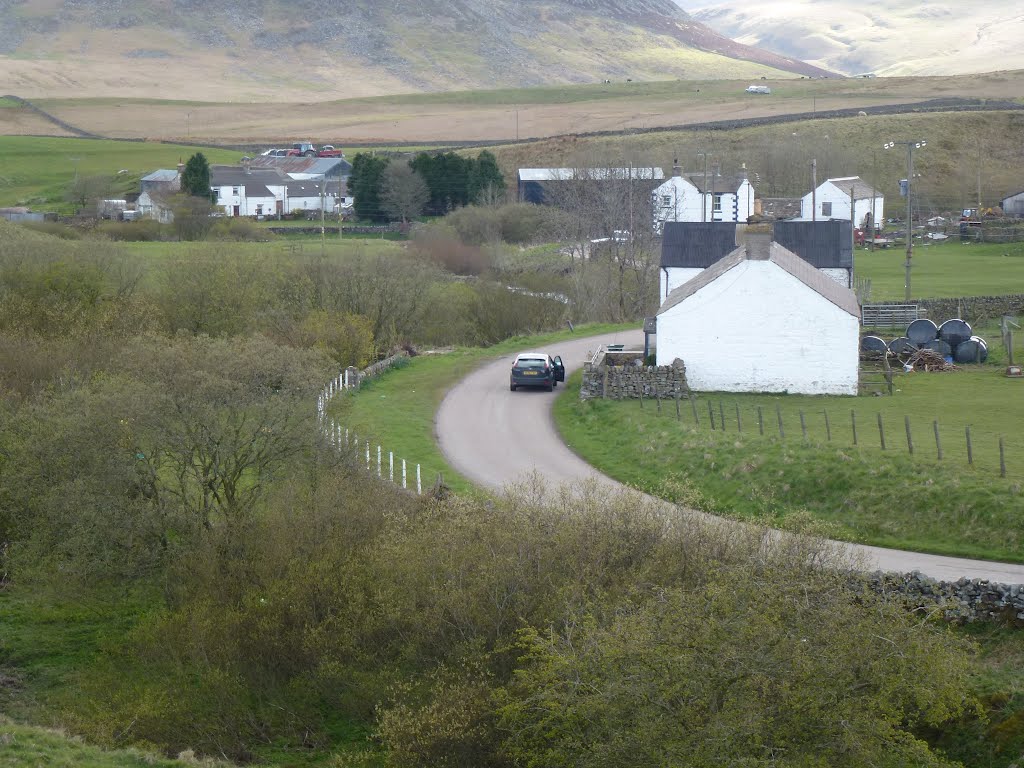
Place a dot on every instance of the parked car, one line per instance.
(536, 369)
(759, 89)
(328, 150)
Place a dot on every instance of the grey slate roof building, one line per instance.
(331, 167)
(238, 176)
(532, 181)
(822, 244)
(761, 249)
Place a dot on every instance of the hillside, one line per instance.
(943, 37)
(229, 50)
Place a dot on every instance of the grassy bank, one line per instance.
(396, 410)
(885, 497)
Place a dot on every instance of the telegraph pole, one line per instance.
(814, 189)
(911, 146)
(704, 192)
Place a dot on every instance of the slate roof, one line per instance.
(311, 188)
(320, 166)
(760, 249)
(822, 244)
(257, 190)
(696, 243)
(162, 174)
(716, 185)
(861, 189)
(780, 207)
(236, 176)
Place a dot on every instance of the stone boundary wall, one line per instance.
(973, 309)
(616, 376)
(962, 601)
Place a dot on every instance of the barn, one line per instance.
(1013, 205)
(762, 319)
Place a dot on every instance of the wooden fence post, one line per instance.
(970, 453)
(657, 396)
(641, 390)
(760, 421)
(739, 424)
(853, 424)
(405, 482)
(910, 439)
(693, 407)
(419, 481)
(828, 428)
(881, 431)
(678, 417)
(938, 445)
(721, 415)
(391, 466)
(778, 415)
(711, 415)
(1002, 458)
(378, 462)
(803, 426)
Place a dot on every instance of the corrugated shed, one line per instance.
(822, 244)
(320, 166)
(696, 244)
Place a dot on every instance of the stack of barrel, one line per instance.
(953, 340)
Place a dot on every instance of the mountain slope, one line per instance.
(941, 37)
(196, 49)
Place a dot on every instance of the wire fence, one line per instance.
(928, 441)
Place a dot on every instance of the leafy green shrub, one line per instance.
(522, 222)
(141, 230)
(55, 228)
(239, 229)
(475, 225)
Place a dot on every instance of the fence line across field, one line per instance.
(718, 422)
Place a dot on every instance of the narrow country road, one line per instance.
(495, 437)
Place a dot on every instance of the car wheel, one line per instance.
(550, 386)
(512, 387)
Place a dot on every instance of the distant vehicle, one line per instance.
(280, 153)
(268, 152)
(536, 369)
(759, 89)
(303, 149)
(937, 236)
(328, 150)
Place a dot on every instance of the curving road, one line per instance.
(494, 437)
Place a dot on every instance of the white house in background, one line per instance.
(682, 198)
(762, 319)
(245, 191)
(305, 195)
(831, 200)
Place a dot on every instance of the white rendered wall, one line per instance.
(684, 202)
(675, 277)
(759, 329)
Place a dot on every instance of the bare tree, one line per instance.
(404, 192)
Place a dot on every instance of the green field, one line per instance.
(37, 171)
(951, 269)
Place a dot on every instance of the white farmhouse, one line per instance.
(245, 191)
(831, 200)
(696, 197)
(316, 194)
(1013, 205)
(762, 319)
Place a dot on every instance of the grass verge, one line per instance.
(396, 410)
(884, 497)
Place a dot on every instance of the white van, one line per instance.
(759, 89)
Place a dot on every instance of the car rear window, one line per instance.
(529, 362)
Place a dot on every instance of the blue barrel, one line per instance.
(974, 350)
(955, 331)
(922, 331)
(873, 344)
(902, 346)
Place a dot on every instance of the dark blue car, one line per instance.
(536, 369)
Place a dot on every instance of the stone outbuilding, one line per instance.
(762, 319)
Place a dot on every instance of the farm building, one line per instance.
(306, 195)
(831, 200)
(687, 249)
(762, 319)
(562, 186)
(300, 168)
(694, 197)
(245, 191)
(1013, 205)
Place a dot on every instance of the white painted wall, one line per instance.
(673, 277)
(676, 200)
(227, 199)
(759, 329)
(827, 193)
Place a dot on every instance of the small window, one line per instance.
(666, 200)
(826, 209)
(717, 204)
(234, 191)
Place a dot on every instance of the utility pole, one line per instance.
(979, 177)
(704, 191)
(814, 189)
(911, 146)
(323, 228)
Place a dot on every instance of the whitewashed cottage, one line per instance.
(831, 200)
(762, 319)
(247, 191)
(696, 197)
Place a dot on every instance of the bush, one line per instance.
(522, 222)
(443, 245)
(143, 230)
(63, 231)
(239, 229)
(475, 225)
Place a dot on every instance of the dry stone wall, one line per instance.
(965, 600)
(611, 377)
